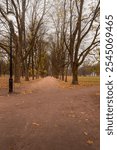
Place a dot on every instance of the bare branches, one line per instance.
(92, 20)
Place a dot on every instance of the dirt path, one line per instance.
(50, 118)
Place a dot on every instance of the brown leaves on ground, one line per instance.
(4, 82)
(90, 142)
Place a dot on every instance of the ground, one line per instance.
(44, 115)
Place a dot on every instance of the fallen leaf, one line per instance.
(82, 113)
(35, 124)
(85, 133)
(90, 142)
(72, 115)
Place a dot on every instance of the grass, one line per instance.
(89, 81)
(83, 81)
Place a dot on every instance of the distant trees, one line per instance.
(59, 52)
(3, 68)
(88, 69)
(4, 64)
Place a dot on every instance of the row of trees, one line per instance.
(29, 47)
(77, 34)
(49, 37)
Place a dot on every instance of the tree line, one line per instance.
(49, 37)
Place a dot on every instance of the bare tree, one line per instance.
(21, 51)
(84, 33)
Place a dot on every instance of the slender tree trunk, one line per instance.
(26, 75)
(37, 74)
(0, 70)
(75, 74)
(62, 76)
(26, 71)
(37, 71)
(33, 64)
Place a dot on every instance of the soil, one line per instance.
(49, 117)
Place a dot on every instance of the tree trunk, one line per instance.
(75, 74)
(17, 70)
(62, 76)
(66, 74)
(26, 71)
(0, 70)
(23, 71)
(37, 74)
(33, 65)
(66, 78)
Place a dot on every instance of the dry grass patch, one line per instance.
(4, 82)
(83, 81)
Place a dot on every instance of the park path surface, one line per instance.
(50, 118)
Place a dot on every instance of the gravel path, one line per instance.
(48, 117)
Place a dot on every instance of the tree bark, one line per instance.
(26, 71)
(33, 65)
(62, 75)
(66, 74)
(17, 70)
(37, 73)
(75, 74)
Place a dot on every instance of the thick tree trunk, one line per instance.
(66, 74)
(75, 74)
(17, 70)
